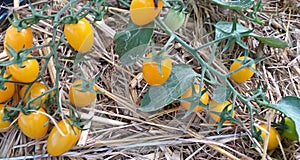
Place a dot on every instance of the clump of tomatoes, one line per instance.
(22, 81)
(203, 101)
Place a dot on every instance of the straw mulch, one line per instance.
(118, 131)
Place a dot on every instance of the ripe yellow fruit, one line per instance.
(80, 98)
(151, 73)
(80, 35)
(273, 142)
(243, 74)
(143, 12)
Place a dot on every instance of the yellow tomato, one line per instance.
(58, 144)
(18, 40)
(204, 99)
(143, 12)
(273, 143)
(27, 73)
(243, 74)
(34, 125)
(80, 35)
(151, 73)
(219, 107)
(80, 98)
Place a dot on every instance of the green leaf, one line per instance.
(221, 94)
(180, 80)
(132, 43)
(235, 5)
(271, 41)
(290, 106)
(223, 28)
(233, 32)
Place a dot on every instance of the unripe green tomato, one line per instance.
(174, 19)
(290, 132)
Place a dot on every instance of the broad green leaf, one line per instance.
(223, 27)
(157, 97)
(233, 32)
(132, 43)
(290, 106)
(235, 5)
(271, 41)
(221, 94)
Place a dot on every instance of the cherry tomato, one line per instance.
(80, 98)
(151, 73)
(4, 125)
(58, 144)
(174, 19)
(18, 40)
(80, 35)
(290, 132)
(35, 90)
(204, 99)
(273, 143)
(243, 74)
(219, 107)
(34, 125)
(27, 73)
(143, 12)
(8, 92)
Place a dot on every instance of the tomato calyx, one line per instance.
(227, 114)
(86, 86)
(17, 57)
(9, 113)
(28, 21)
(24, 23)
(71, 19)
(4, 78)
(195, 100)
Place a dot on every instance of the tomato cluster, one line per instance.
(22, 82)
(214, 108)
(35, 123)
